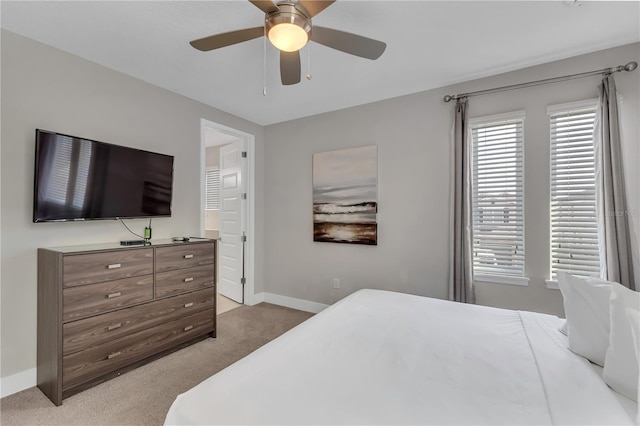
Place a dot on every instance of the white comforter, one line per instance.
(380, 357)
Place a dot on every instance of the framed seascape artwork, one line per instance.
(345, 193)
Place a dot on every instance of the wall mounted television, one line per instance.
(81, 179)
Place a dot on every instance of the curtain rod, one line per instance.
(629, 67)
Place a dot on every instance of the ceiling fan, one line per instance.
(288, 27)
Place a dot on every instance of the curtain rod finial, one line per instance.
(448, 98)
(631, 66)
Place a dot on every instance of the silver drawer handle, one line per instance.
(188, 256)
(114, 266)
(114, 326)
(113, 355)
(187, 328)
(112, 295)
(188, 305)
(188, 280)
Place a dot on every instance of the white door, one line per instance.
(231, 261)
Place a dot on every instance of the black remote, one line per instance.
(131, 242)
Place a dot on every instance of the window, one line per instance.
(212, 183)
(574, 227)
(497, 195)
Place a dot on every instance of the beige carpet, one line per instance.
(143, 396)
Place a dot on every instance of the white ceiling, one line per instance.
(429, 44)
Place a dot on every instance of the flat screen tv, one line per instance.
(81, 179)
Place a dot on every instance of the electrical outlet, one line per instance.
(336, 283)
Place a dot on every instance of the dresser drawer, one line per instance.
(93, 299)
(81, 334)
(85, 365)
(91, 268)
(184, 256)
(181, 280)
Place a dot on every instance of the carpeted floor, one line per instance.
(143, 396)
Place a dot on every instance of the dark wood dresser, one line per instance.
(105, 309)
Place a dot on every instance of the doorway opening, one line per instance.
(229, 154)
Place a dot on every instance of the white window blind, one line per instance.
(574, 233)
(497, 195)
(212, 183)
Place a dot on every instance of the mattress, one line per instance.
(380, 357)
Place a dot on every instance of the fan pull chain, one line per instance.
(264, 63)
(309, 76)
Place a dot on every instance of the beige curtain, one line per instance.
(460, 262)
(613, 221)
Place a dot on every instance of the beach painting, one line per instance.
(345, 192)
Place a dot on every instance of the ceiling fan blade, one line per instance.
(349, 43)
(267, 6)
(290, 67)
(313, 7)
(227, 39)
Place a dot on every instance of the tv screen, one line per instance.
(82, 179)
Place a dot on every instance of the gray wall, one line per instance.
(46, 88)
(412, 134)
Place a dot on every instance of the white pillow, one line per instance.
(586, 306)
(634, 319)
(621, 363)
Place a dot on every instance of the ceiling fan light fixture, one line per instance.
(287, 25)
(288, 37)
(288, 29)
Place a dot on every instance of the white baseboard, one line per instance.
(290, 302)
(18, 382)
(255, 299)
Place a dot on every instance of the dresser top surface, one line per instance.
(84, 248)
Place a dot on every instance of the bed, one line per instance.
(380, 357)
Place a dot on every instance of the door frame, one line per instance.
(248, 142)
